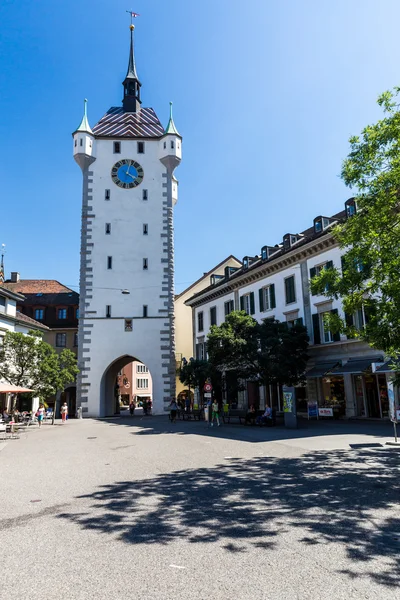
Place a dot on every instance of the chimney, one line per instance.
(14, 277)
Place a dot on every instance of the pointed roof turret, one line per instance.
(171, 125)
(84, 125)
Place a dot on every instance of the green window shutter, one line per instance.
(252, 304)
(241, 303)
(316, 328)
(272, 300)
(343, 261)
(313, 272)
(329, 264)
(335, 336)
(299, 321)
(226, 306)
(261, 298)
(349, 319)
(289, 289)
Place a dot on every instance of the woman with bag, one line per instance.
(64, 412)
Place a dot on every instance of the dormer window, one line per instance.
(264, 253)
(318, 226)
(351, 207)
(286, 242)
(246, 262)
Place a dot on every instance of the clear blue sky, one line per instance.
(266, 94)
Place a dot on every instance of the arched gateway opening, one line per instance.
(125, 379)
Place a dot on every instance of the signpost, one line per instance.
(312, 409)
(393, 409)
(289, 407)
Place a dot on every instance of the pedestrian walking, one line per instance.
(64, 412)
(173, 407)
(132, 407)
(215, 413)
(40, 414)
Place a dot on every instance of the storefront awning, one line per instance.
(388, 367)
(7, 388)
(320, 369)
(356, 365)
(143, 395)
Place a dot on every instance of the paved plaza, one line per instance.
(140, 508)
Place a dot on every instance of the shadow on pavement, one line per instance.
(343, 497)
(251, 433)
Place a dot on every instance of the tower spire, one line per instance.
(132, 85)
(171, 128)
(84, 124)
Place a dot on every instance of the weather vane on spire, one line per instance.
(133, 16)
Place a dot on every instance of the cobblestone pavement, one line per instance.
(141, 508)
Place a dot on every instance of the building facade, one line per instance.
(127, 251)
(184, 318)
(56, 306)
(13, 320)
(135, 383)
(343, 374)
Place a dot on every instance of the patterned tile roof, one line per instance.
(37, 286)
(118, 123)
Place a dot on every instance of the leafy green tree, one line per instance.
(369, 281)
(28, 361)
(282, 358)
(269, 352)
(233, 345)
(195, 373)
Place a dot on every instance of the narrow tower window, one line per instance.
(165, 145)
(108, 228)
(172, 144)
(108, 311)
(145, 229)
(144, 310)
(81, 142)
(76, 143)
(145, 195)
(109, 262)
(107, 195)
(140, 147)
(145, 264)
(117, 147)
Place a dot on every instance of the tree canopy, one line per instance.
(28, 361)
(369, 279)
(269, 352)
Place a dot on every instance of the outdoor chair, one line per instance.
(3, 430)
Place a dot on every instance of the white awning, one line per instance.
(143, 395)
(7, 388)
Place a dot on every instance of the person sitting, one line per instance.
(266, 417)
(251, 414)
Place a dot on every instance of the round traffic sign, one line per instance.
(207, 387)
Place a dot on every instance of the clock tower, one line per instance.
(129, 191)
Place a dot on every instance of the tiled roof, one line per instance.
(61, 299)
(29, 321)
(118, 123)
(37, 286)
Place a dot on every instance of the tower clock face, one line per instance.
(127, 173)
